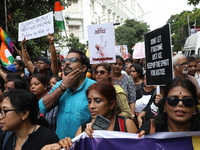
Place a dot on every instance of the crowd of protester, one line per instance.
(51, 104)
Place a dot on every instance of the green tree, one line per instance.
(73, 42)
(193, 2)
(130, 33)
(179, 27)
(22, 10)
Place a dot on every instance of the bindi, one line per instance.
(180, 93)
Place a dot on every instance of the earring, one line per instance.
(164, 111)
(23, 118)
(194, 113)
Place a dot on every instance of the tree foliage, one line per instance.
(22, 10)
(193, 2)
(74, 42)
(179, 27)
(130, 33)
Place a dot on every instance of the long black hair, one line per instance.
(161, 119)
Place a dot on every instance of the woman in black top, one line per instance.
(18, 115)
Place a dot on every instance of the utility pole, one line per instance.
(6, 20)
(98, 18)
(188, 19)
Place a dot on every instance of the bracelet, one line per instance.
(61, 88)
(64, 86)
(24, 50)
(51, 43)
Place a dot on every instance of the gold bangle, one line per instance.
(24, 50)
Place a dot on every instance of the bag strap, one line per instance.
(122, 124)
(152, 126)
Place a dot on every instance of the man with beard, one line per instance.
(69, 95)
(43, 65)
(181, 69)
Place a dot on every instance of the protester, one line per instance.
(151, 109)
(143, 94)
(15, 83)
(136, 72)
(177, 109)
(197, 74)
(102, 73)
(18, 115)
(125, 81)
(39, 85)
(69, 95)
(43, 64)
(53, 80)
(180, 67)
(101, 101)
(192, 65)
(52, 115)
(20, 67)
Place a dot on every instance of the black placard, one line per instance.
(158, 56)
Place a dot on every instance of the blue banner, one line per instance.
(112, 140)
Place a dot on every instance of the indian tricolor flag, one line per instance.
(58, 15)
(6, 57)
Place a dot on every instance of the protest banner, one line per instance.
(36, 27)
(158, 56)
(138, 50)
(113, 140)
(122, 50)
(101, 41)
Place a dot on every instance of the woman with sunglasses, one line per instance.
(177, 109)
(102, 72)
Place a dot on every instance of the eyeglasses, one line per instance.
(3, 112)
(187, 102)
(102, 72)
(183, 64)
(71, 60)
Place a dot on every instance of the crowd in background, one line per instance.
(62, 98)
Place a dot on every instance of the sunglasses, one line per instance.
(102, 72)
(187, 102)
(71, 60)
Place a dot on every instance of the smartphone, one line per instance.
(100, 123)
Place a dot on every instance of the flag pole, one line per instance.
(6, 20)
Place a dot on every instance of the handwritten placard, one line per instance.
(158, 56)
(36, 27)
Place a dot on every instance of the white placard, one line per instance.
(101, 41)
(36, 27)
(122, 50)
(139, 50)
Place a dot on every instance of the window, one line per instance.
(75, 30)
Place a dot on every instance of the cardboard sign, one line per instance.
(101, 41)
(138, 50)
(122, 50)
(158, 56)
(36, 27)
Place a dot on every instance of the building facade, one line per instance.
(82, 13)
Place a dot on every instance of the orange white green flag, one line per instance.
(6, 57)
(58, 15)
